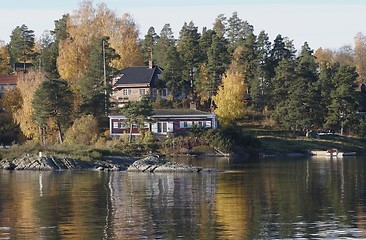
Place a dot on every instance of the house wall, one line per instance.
(125, 95)
(163, 125)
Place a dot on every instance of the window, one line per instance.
(142, 92)
(185, 124)
(162, 127)
(164, 92)
(126, 92)
(154, 93)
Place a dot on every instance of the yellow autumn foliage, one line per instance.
(230, 98)
(27, 85)
(88, 24)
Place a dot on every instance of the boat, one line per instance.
(332, 153)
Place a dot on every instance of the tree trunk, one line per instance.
(130, 137)
(60, 133)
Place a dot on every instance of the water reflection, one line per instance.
(256, 199)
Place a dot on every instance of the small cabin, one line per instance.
(165, 121)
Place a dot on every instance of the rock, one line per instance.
(49, 163)
(154, 164)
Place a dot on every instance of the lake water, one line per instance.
(253, 199)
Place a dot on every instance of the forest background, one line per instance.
(243, 76)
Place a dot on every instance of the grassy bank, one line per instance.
(282, 142)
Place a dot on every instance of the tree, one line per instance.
(137, 113)
(5, 67)
(27, 85)
(260, 84)
(237, 30)
(190, 53)
(21, 46)
(172, 74)
(84, 131)
(360, 57)
(149, 43)
(165, 41)
(343, 107)
(93, 88)
(230, 97)
(49, 47)
(85, 26)
(301, 110)
(52, 101)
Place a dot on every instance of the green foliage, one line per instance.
(53, 101)
(137, 113)
(21, 46)
(226, 139)
(83, 131)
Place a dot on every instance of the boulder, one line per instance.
(42, 162)
(155, 164)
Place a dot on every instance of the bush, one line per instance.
(83, 131)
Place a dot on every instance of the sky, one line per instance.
(322, 23)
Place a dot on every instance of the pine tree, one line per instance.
(343, 107)
(52, 101)
(137, 113)
(190, 52)
(21, 46)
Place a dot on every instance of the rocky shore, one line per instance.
(49, 163)
(150, 164)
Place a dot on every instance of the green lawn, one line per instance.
(273, 141)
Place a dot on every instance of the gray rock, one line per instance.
(154, 164)
(49, 163)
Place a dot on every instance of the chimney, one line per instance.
(151, 59)
(193, 105)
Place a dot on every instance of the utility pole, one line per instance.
(105, 81)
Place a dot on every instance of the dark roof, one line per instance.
(179, 112)
(173, 112)
(138, 75)
(8, 79)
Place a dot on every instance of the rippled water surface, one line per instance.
(251, 199)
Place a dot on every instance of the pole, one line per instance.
(105, 81)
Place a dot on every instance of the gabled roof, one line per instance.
(179, 112)
(138, 75)
(8, 79)
(175, 113)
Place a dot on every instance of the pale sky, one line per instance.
(321, 23)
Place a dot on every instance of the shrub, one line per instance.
(84, 131)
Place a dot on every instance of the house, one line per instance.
(131, 83)
(165, 121)
(7, 82)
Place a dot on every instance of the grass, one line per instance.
(279, 141)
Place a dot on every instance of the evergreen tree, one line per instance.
(189, 51)
(172, 74)
(49, 48)
(237, 30)
(137, 113)
(261, 86)
(148, 44)
(303, 109)
(52, 101)
(94, 87)
(219, 26)
(21, 46)
(218, 60)
(282, 48)
(343, 106)
(165, 40)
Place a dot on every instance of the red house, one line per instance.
(165, 121)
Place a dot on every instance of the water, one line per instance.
(253, 199)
